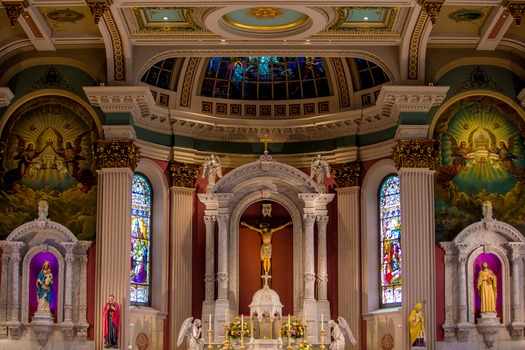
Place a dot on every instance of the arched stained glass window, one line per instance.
(390, 241)
(140, 277)
(265, 78)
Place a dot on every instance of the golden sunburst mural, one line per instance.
(265, 12)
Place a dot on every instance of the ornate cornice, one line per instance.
(183, 174)
(115, 154)
(416, 154)
(391, 101)
(347, 174)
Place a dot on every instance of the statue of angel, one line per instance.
(319, 168)
(212, 169)
(339, 330)
(192, 331)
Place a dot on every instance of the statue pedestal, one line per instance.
(42, 324)
(488, 325)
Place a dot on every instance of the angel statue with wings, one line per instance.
(339, 331)
(319, 169)
(212, 169)
(192, 331)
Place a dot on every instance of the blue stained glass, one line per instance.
(390, 241)
(140, 279)
(271, 78)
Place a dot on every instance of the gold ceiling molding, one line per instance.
(190, 26)
(342, 13)
(263, 27)
(432, 8)
(516, 9)
(98, 8)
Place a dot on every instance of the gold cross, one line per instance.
(265, 140)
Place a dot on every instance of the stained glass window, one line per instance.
(265, 78)
(390, 241)
(140, 274)
(160, 73)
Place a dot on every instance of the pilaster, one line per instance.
(116, 161)
(416, 160)
(181, 234)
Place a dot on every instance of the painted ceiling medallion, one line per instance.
(265, 19)
(265, 12)
(465, 15)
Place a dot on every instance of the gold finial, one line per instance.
(265, 140)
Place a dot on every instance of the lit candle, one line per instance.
(242, 324)
(322, 323)
(209, 323)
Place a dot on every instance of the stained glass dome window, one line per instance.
(265, 78)
(390, 241)
(140, 276)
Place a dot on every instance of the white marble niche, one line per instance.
(503, 246)
(66, 325)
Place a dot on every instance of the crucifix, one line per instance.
(266, 140)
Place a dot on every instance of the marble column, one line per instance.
(309, 273)
(448, 325)
(517, 312)
(68, 290)
(181, 243)
(116, 161)
(209, 275)
(462, 274)
(222, 268)
(4, 288)
(82, 323)
(348, 253)
(322, 272)
(416, 160)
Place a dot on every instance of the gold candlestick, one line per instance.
(322, 339)
(289, 333)
(210, 333)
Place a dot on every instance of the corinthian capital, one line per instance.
(116, 154)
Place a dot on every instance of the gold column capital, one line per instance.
(183, 174)
(116, 154)
(416, 154)
(346, 174)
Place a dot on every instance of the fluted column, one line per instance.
(322, 274)
(416, 160)
(348, 257)
(309, 274)
(116, 161)
(209, 275)
(181, 257)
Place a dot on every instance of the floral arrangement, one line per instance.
(295, 327)
(224, 346)
(236, 328)
(305, 346)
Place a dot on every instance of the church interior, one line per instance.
(287, 175)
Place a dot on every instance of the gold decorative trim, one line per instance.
(415, 41)
(342, 83)
(185, 96)
(265, 28)
(516, 10)
(346, 174)
(98, 9)
(119, 66)
(14, 10)
(183, 174)
(115, 154)
(432, 9)
(416, 154)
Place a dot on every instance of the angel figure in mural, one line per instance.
(212, 169)
(416, 326)
(319, 169)
(192, 332)
(505, 156)
(44, 283)
(71, 154)
(487, 288)
(266, 247)
(27, 163)
(339, 331)
(460, 154)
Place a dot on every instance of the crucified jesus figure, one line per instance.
(266, 235)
